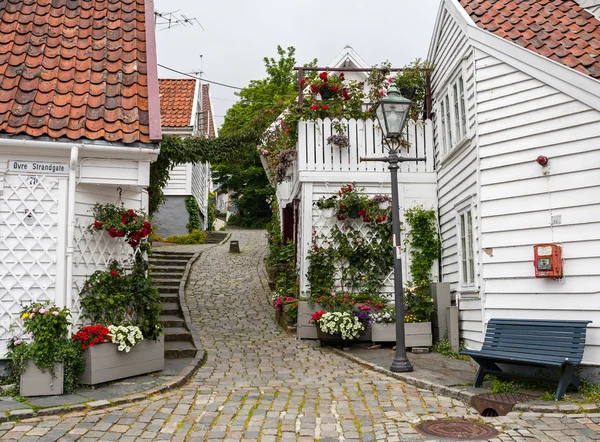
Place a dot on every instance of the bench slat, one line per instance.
(540, 322)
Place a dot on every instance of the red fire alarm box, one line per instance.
(547, 259)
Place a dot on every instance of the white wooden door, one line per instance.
(30, 211)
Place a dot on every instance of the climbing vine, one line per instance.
(175, 150)
(192, 207)
(424, 245)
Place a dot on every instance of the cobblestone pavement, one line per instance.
(261, 384)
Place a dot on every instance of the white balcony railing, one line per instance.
(315, 154)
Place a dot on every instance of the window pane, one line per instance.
(470, 247)
(463, 243)
(443, 119)
(448, 122)
(457, 118)
(463, 113)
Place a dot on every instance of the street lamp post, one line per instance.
(392, 112)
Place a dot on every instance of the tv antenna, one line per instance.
(170, 20)
(198, 72)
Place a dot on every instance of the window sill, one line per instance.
(468, 292)
(456, 149)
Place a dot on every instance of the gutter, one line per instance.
(28, 145)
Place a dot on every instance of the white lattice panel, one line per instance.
(94, 251)
(28, 245)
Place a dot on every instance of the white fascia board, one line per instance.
(193, 118)
(458, 14)
(349, 53)
(561, 77)
(180, 131)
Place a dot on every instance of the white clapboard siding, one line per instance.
(103, 171)
(178, 181)
(457, 169)
(471, 323)
(519, 198)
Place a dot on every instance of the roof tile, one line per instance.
(74, 68)
(557, 29)
(176, 102)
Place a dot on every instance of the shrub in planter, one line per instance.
(47, 344)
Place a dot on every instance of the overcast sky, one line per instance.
(238, 34)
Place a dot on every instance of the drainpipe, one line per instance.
(71, 225)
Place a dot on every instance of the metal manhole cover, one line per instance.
(456, 429)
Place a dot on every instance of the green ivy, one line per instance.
(194, 211)
(194, 237)
(424, 245)
(281, 258)
(212, 212)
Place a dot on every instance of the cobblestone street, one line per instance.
(259, 383)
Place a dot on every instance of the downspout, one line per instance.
(71, 225)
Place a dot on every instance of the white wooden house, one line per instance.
(186, 110)
(79, 124)
(512, 81)
(321, 169)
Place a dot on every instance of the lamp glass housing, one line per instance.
(392, 112)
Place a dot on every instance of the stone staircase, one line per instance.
(215, 237)
(167, 270)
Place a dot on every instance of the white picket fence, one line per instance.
(316, 154)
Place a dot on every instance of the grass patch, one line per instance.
(195, 237)
(443, 347)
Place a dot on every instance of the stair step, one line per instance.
(163, 262)
(177, 334)
(179, 349)
(167, 289)
(171, 257)
(169, 297)
(167, 253)
(167, 269)
(158, 279)
(165, 275)
(171, 308)
(169, 321)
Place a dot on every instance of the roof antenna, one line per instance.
(169, 20)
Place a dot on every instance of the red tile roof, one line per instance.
(76, 69)
(209, 125)
(558, 29)
(176, 102)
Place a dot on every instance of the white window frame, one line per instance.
(452, 110)
(466, 258)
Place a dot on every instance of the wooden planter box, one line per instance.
(104, 363)
(35, 382)
(416, 334)
(305, 329)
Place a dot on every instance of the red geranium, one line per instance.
(91, 335)
(114, 273)
(323, 76)
(316, 317)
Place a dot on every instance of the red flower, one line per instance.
(124, 219)
(341, 76)
(114, 273)
(112, 232)
(316, 317)
(341, 218)
(97, 225)
(84, 346)
(314, 107)
(362, 212)
(324, 107)
(314, 88)
(323, 76)
(302, 82)
(334, 88)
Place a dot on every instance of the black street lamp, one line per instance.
(392, 112)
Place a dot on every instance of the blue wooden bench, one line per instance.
(532, 342)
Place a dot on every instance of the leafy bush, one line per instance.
(195, 237)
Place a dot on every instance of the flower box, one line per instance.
(38, 382)
(416, 334)
(306, 329)
(104, 363)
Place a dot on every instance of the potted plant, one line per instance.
(382, 201)
(326, 205)
(340, 141)
(337, 328)
(118, 222)
(47, 362)
(383, 328)
(351, 203)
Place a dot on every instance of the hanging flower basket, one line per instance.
(384, 205)
(328, 213)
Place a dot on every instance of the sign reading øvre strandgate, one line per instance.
(38, 167)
